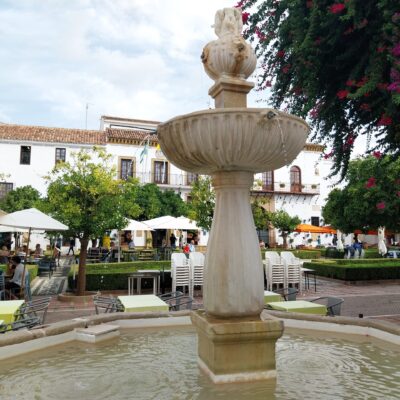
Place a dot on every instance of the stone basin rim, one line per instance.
(234, 110)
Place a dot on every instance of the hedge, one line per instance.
(331, 252)
(114, 276)
(356, 270)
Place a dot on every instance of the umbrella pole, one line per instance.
(22, 290)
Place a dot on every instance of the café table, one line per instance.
(8, 308)
(271, 297)
(307, 272)
(140, 303)
(298, 306)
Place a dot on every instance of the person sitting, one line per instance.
(4, 254)
(38, 251)
(192, 247)
(16, 281)
(262, 244)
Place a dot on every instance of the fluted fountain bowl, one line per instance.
(232, 139)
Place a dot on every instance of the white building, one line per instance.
(28, 153)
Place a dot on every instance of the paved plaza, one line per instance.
(373, 300)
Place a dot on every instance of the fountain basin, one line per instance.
(232, 139)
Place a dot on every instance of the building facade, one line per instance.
(28, 153)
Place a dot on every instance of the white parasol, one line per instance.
(134, 225)
(381, 241)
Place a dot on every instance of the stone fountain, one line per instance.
(231, 143)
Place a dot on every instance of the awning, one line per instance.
(314, 229)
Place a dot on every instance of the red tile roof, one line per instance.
(52, 135)
(129, 134)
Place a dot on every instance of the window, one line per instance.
(126, 168)
(25, 155)
(315, 221)
(268, 180)
(60, 155)
(161, 172)
(295, 179)
(5, 187)
(191, 178)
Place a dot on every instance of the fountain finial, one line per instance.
(229, 60)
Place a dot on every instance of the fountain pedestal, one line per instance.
(236, 349)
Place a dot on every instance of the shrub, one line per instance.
(356, 270)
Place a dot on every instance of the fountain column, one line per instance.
(231, 143)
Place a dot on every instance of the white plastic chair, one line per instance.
(196, 262)
(180, 271)
(292, 269)
(274, 270)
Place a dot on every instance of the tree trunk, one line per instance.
(284, 237)
(82, 267)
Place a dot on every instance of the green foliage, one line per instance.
(337, 63)
(259, 214)
(21, 198)
(371, 197)
(202, 202)
(284, 222)
(357, 270)
(86, 196)
(155, 203)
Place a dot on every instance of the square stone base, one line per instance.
(237, 349)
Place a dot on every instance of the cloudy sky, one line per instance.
(128, 58)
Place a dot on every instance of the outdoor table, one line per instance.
(143, 274)
(139, 303)
(271, 297)
(8, 308)
(299, 306)
(307, 272)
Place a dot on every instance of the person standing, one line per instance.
(172, 240)
(192, 247)
(71, 246)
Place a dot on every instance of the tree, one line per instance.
(259, 214)
(21, 198)
(284, 222)
(335, 62)
(371, 197)
(202, 202)
(85, 195)
(156, 203)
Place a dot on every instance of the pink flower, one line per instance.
(342, 94)
(363, 81)
(286, 69)
(328, 155)
(398, 194)
(350, 83)
(381, 205)
(350, 140)
(245, 17)
(377, 154)
(281, 53)
(396, 50)
(371, 182)
(394, 87)
(337, 8)
(385, 120)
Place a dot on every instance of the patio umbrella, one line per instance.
(31, 219)
(134, 225)
(314, 229)
(180, 223)
(381, 241)
(155, 222)
(339, 244)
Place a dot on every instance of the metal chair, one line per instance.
(47, 264)
(333, 304)
(27, 323)
(182, 303)
(2, 287)
(34, 309)
(108, 304)
(288, 293)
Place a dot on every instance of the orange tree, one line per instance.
(336, 62)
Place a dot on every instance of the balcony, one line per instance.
(173, 180)
(288, 188)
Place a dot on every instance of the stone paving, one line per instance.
(372, 300)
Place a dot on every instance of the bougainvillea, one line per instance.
(336, 63)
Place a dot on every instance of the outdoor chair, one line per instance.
(196, 263)
(2, 287)
(27, 323)
(26, 289)
(274, 270)
(108, 304)
(181, 303)
(34, 309)
(171, 295)
(180, 271)
(288, 293)
(292, 269)
(333, 304)
(47, 264)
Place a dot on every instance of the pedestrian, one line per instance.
(192, 247)
(71, 246)
(172, 240)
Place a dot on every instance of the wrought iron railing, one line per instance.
(287, 187)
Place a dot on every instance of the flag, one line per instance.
(144, 152)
